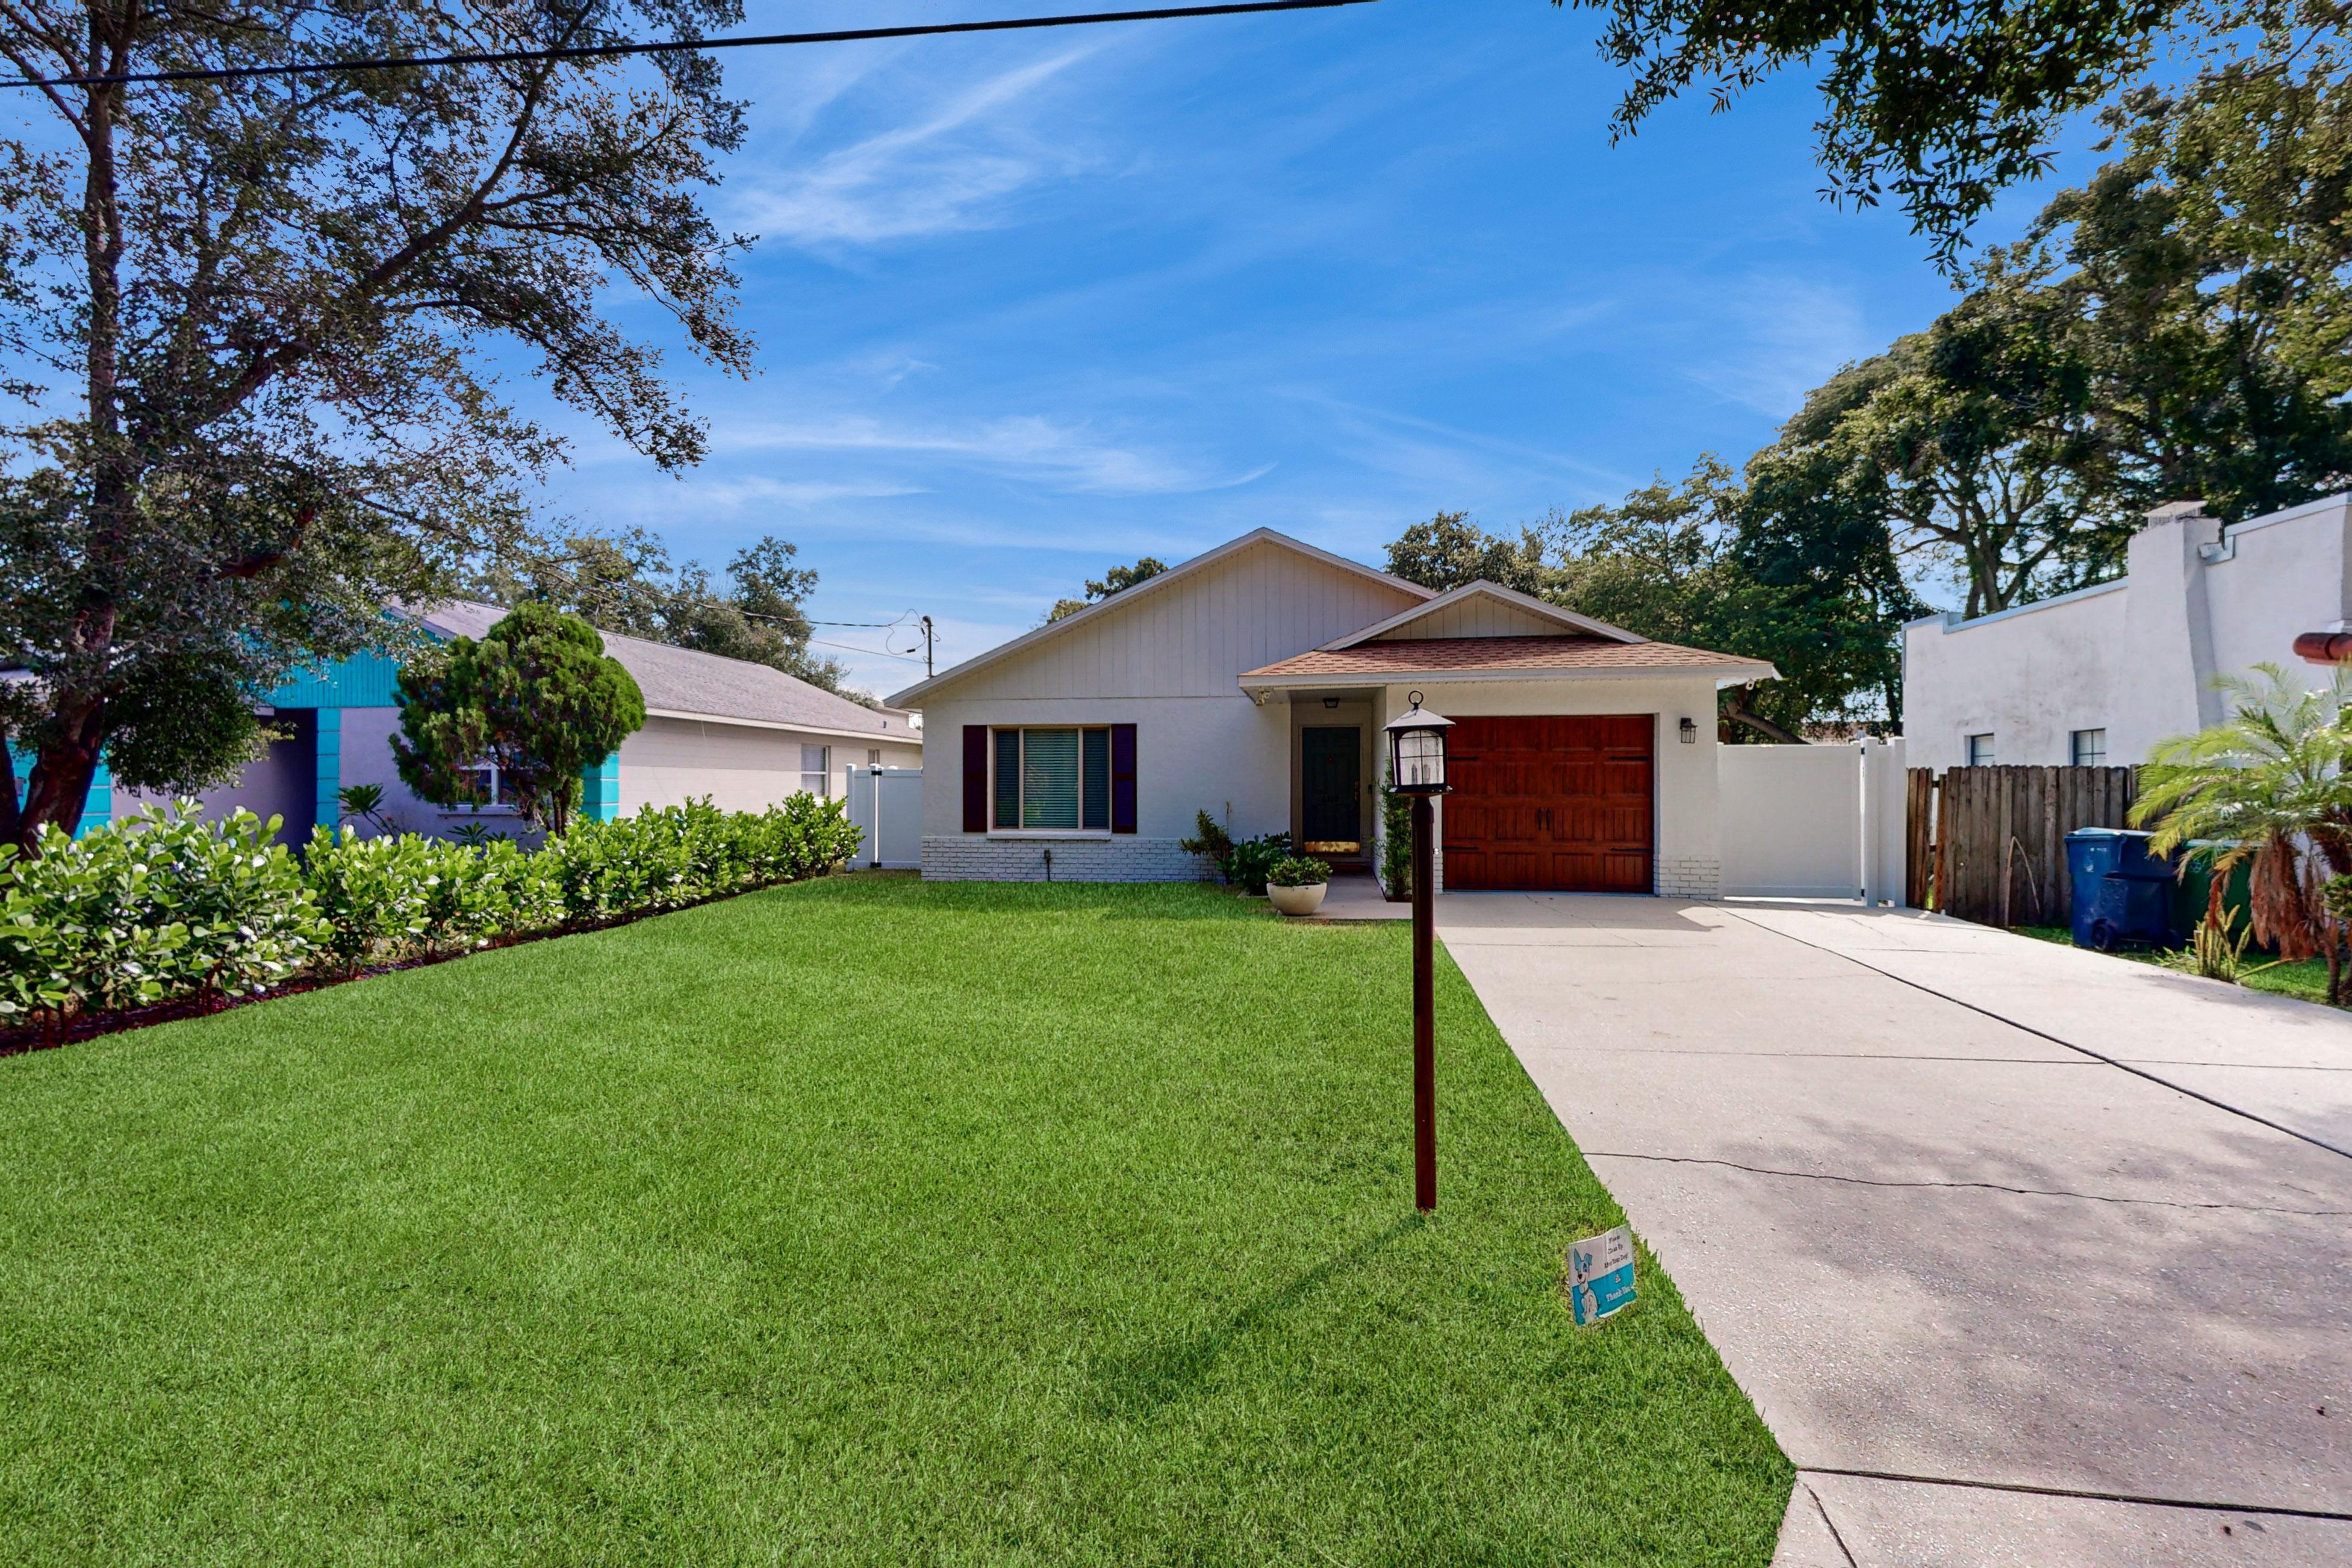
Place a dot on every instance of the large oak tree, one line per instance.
(257, 324)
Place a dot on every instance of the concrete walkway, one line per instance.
(2026, 1256)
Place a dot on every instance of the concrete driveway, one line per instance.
(2026, 1256)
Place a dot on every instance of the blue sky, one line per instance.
(1031, 305)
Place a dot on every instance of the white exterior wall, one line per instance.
(2030, 677)
(741, 767)
(1169, 663)
(1224, 755)
(2136, 658)
(1688, 855)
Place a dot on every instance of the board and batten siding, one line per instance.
(1194, 638)
(1471, 617)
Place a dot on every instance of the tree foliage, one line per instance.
(1449, 550)
(624, 582)
(537, 697)
(2270, 784)
(1939, 103)
(1117, 580)
(249, 317)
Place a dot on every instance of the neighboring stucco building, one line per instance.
(745, 735)
(2098, 676)
(1252, 681)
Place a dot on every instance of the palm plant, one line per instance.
(2270, 784)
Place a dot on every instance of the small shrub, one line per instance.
(1242, 862)
(2216, 949)
(167, 906)
(159, 907)
(1396, 839)
(1297, 872)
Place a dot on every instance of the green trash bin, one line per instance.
(2191, 891)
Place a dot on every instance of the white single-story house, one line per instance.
(2097, 676)
(745, 735)
(1252, 681)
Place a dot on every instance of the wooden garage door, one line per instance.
(1551, 803)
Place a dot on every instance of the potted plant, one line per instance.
(1296, 884)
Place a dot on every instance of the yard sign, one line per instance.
(1600, 1275)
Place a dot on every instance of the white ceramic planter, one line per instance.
(1303, 900)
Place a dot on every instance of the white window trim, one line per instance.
(493, 808)
(1022, 804)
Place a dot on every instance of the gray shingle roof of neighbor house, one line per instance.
(681, 683)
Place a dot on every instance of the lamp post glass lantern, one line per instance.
(1417, 751)
(1417, 768)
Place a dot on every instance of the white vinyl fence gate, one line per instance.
(1813, 822)
(886, 805)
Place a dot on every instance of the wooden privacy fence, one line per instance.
(1988, 845)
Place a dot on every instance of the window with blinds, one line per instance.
(816, 769)
(1047, 778)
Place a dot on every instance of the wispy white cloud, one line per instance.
(1777, 339)
(949, 169)
(1063, 455)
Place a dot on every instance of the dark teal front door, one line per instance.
(1331, 783)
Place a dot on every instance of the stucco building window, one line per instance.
(2089, 749)
(1980, 751)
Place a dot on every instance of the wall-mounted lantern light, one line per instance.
(1417, 751)
(1690, 732)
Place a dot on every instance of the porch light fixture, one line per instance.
(1417, 751)
(1690, 732)
(1330, 702)
(1417, 768)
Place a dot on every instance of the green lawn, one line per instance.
(2305, 980)
(859, 1222)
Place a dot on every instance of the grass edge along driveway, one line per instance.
(861, 1221)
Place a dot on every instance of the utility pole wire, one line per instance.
(679, 45)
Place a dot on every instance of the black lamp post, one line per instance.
(1417, 768)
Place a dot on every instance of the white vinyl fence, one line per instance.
(1813, 822)
(886, 805)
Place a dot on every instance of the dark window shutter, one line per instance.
(1122, 778)
(975, 778)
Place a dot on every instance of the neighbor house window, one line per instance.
(1981, 751)
(816, 763)
(1050, 778)
(490, 789)
(2090, 748)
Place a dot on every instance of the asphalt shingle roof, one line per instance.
(1407, 657)
(682, 680)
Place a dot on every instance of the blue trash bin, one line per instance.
(2123, 894)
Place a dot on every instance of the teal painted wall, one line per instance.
(600, 789)
(329, 810)
(362, 680)
(97, 810)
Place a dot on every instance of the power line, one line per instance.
(680, 46)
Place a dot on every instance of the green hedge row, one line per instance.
(165, 906)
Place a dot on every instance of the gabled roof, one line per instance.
(683, 683)
(1502, 658)
(1567, 620)
(1126, 599)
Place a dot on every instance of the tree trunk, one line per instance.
(1736, 710)
(57, 789)
(8, 813)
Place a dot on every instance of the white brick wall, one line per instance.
(1689, 878)
(975, 857)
